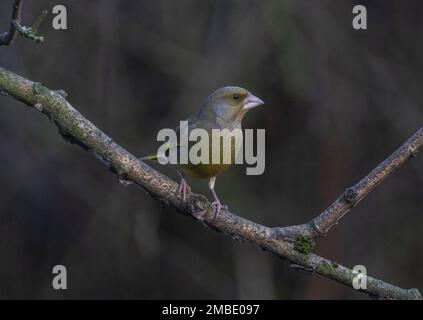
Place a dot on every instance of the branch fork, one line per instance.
(31, 33)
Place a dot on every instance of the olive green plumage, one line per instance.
(223, 109)
(219, 111)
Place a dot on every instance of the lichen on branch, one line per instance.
(292, 243)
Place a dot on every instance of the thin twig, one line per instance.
(27, 32)
(37, 23)
(128, 168)
(320, 225)
(16, 27)
(10, 36)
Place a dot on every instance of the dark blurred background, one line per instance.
(338, 102)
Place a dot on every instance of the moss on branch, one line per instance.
(77, 129)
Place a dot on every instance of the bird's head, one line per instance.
(231, 103)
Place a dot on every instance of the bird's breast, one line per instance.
(223, 148)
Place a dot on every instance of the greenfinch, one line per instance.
(223, 109)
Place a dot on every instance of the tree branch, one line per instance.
(320, 225)
(10, 36)
(7, 38)
(129, 169)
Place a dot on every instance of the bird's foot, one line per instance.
(218, 206)
(205, 213)
(183, 189)
(200, 215)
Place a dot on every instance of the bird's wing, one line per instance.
(192, 124)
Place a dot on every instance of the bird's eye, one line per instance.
(235, 96)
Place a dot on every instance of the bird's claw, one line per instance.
(217, 206)
(183, 190)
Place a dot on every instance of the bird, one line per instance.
(225, 108)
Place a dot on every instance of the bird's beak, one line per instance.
(252, 101)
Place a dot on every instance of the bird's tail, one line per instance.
(153, 157)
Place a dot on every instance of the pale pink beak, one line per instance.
(252, 101)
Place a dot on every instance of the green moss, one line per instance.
(303, 244)
(39, 89)
(325, 268)
(331, 269)
(349, 276)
